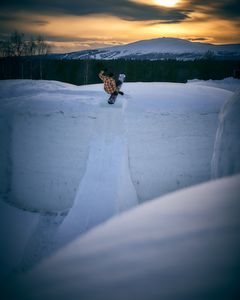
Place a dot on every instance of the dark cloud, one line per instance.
(200, 39)
(125, 9)
(231, 9)
(73, 39)
(11, 18)
(121, 8)
(13, 12)
(225, 9)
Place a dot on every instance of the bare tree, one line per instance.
(6, 49)
(41, 46)
(30, 47)
(209, 55)
(17, 43)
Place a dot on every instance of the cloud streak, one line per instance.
(127, 10)
(12, 18)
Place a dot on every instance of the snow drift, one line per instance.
(182, 246)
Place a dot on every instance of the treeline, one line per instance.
(17, 45)
(80, 72)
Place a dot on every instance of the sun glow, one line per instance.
(168, 3)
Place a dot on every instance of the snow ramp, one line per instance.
(106, 188)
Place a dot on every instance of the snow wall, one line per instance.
(4, 155)
(47, 128)
(171, 130)
(226, 156)
(44, 145)
(46, 160)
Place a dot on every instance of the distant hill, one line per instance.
(160, 48)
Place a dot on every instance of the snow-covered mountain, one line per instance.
(160, 48)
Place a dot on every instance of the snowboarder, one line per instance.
(110, 85)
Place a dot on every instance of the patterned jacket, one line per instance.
(109, 83)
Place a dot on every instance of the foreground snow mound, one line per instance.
(225, 159)
(181, 246)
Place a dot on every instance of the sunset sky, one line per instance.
(71, 25)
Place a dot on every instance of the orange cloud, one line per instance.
(71, 32)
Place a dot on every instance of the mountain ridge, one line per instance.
(158, 48)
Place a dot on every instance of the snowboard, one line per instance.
(119, 83)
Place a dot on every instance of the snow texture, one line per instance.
(46, 142)
(170, 130)
(16, 228)
(225, 160)
(76, 161)
(182, 246)
(49, 130)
